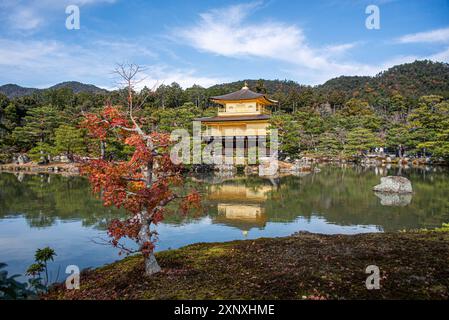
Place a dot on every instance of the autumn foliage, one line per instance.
(143, 185)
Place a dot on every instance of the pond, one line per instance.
(61, 212)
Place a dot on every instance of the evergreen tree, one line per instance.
(361, 140)
(39, 126)
(398, 137)
(428, 123)
(69, 141)
(329, 144)
(289, 137)
(41, 153)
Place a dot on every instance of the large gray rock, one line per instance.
(394, 199)
(22, 159)
(394, 184)
(64, 159)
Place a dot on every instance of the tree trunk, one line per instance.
(151, 265)
(102, 149)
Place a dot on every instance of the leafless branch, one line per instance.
(120, 246)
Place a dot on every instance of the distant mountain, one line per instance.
(411, 80)
(14, 91)
(78, 87)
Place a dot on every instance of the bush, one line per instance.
(10, 288)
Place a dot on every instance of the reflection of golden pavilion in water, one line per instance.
(240, 206)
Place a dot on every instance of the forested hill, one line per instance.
(261, 85)
(78, 87)
(411, 80)
(14, 90)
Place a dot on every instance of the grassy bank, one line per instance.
(412, 265)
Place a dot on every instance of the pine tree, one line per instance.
(428, 123)
(39, 126)
(69, 141)
(361, 140)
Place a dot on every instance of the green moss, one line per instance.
(310, 266)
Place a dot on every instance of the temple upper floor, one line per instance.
(243, 102)
(244, 108)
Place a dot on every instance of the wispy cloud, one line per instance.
(41, 60)
(224, 32)
(156, 75)
(46, 62)
(434, 36)
(29, 15)
(227, 32)
(25, 19)
(338, 49)
(231, 32)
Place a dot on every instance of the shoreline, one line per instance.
(413, 265)
(284, 167)
(33, 168)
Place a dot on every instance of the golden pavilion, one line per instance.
(242, 115)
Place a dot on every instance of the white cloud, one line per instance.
(125, 46)
(44, 63)
(225, 32)
(25, 19)
(435, 36)
(28, 15)
(162, 74)
(338, 49)
(228, 32)
(37, 63)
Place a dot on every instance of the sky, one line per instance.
(209, 42)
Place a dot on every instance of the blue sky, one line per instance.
(209, 42)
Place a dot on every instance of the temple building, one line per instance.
(243, 116)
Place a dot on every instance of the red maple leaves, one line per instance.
(99, 124)
(143, 184)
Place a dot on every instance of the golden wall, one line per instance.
(230, 129)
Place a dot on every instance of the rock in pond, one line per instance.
(394, 184)
(394, 199)
(22, 159)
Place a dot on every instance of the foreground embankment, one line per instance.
(413, 265)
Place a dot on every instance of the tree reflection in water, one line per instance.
(340, 195)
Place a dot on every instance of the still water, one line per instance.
(60, 212)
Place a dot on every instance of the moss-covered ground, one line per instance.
(413, 265)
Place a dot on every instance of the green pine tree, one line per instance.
(39, 126)
(69, 141)
(360, 140)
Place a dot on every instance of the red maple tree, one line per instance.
(144, 184)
